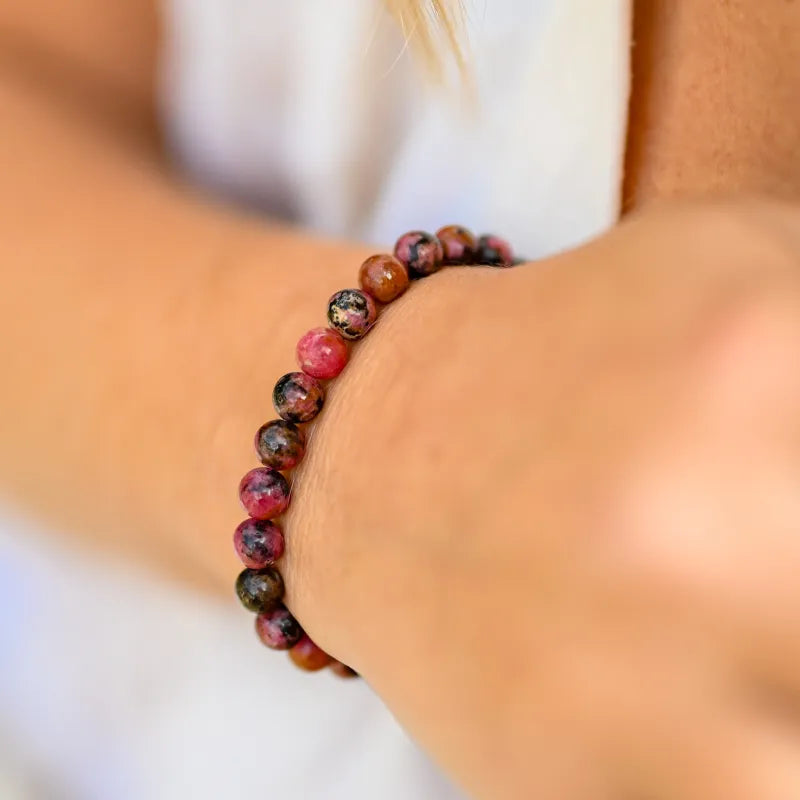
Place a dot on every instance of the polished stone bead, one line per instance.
(298, 397)
(458, 245)
(342, 670)
(264, 493)
(352, 313)
(322, 353)
(280, 444)
(383, 277)
(258, 543)
(278, 629)
(259, 589)
(494, 251)
(420, 252)
(308, 656)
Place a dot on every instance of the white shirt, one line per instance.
(316, 111)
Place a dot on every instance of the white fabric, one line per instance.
(315, 110)
(115, 687)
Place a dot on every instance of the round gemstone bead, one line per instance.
(258, 543)
(494, 251)
(421, 253)
(297, 397)
(383, 277)
(278, 629)
(322, 353)
(307, 655)
(280, 444)
(352, 313)
(458, 244)
(264, 493)
(259, 589)
(342, 670)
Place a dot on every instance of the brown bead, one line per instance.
(384, 277)
(308, 656)
(280, 444)
(458, 244)
(342, 670)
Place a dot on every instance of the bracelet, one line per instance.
(298, 397)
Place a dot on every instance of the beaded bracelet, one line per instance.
(298, 397)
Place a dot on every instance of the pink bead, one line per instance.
(351, 313)
(264, 493)
(494, 251)
(258, 543)
(278, 629)
(421, 253)
(298, 397)
(322, 353)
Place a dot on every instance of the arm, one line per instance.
(143, 325)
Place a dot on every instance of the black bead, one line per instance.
(259, 589)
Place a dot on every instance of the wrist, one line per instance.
(254, 306)
(436, 385)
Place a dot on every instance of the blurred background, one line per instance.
(114, 686)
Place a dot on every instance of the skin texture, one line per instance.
(714, 106)
(620, 576)
(573, 588)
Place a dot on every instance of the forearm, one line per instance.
(143, 330)
(714, 106)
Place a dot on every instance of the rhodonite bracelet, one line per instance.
(298, 397)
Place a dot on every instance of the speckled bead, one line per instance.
(458, 245)
(264, 493)
(352, 313)
(278, 629)
(342, 670)
(308, 656)
(298, 397)
(383, 277)
(322, 353)
(420, 252)
(258, 543)
(259, 590)
(494, 251)
(280, 444)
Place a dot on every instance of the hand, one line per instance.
(552, 514)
